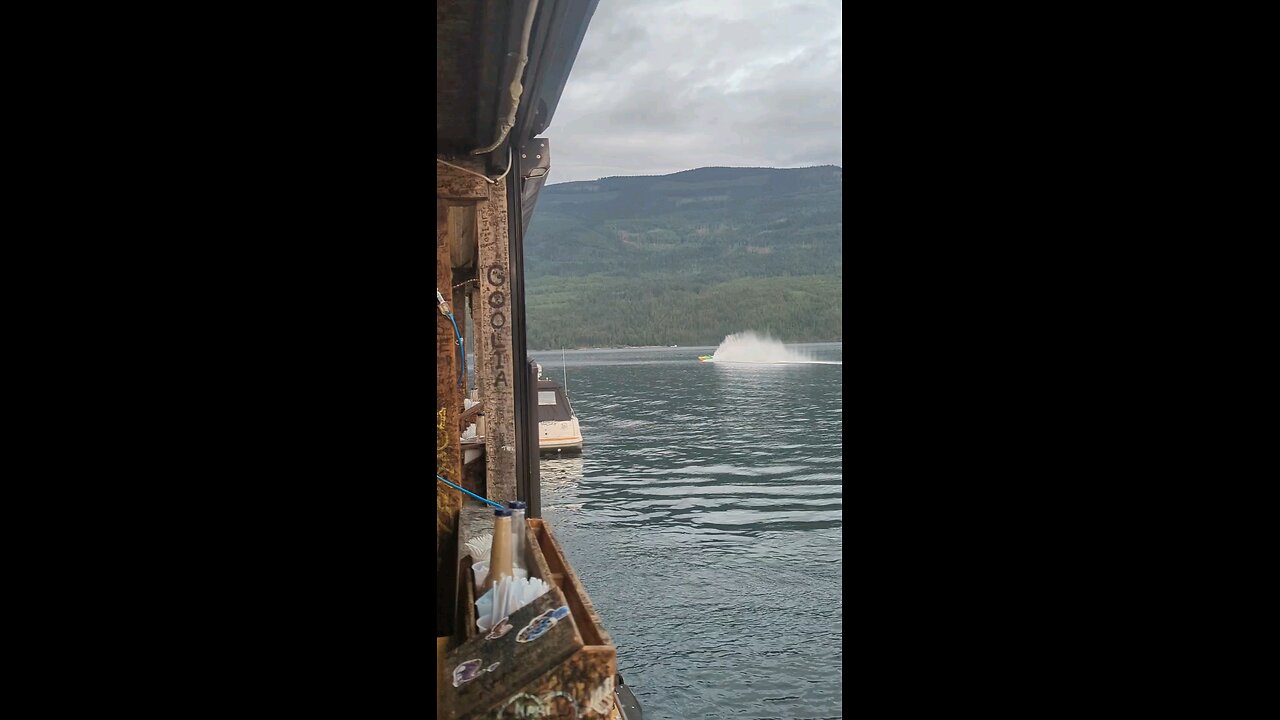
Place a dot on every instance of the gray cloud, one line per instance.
(661, 86)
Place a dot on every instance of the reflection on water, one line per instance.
(704, 518)
(559, 473)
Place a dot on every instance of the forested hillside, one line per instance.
(686, 258)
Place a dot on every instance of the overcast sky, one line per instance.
(661, 86)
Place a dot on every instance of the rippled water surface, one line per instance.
(704, 518)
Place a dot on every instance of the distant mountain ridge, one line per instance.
(686, 258)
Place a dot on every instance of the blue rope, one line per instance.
(462, 371)
(455, 487)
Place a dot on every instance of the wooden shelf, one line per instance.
(567, 672)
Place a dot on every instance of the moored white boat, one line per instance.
(558, 429)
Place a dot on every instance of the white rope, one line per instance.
(510, 161)
(469, 172)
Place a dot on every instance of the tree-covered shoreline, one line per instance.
(686, 259)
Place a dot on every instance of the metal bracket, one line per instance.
(535, 158)
(534, 161)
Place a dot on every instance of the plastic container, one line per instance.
(481, 572)
(518, 534)
(500, 553)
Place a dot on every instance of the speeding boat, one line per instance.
(706, 358)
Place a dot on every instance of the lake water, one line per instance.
(704, 519)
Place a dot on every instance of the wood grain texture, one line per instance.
(458, 33)
(570, 677)
(518, 663)
(466, 602)
(443, 645)
(587, 676)
(493, 334)
(448, 404)
(588, 619)
(455, 185)
(462, 228)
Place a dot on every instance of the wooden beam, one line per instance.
(493, 332)
(448, 453)
(462, 228)
(455, 184)
(468, 417)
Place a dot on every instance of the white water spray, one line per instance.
(748, 347)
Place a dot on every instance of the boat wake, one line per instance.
(779, 362)
(750, 348)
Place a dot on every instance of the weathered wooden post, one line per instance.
(448, 452)
(448, 461)
(493, 331)
(492, 307)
